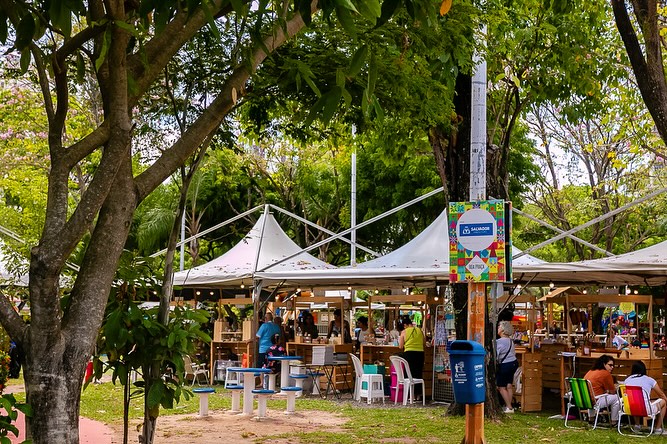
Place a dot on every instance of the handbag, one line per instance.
(505, 355)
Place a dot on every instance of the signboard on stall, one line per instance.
(480, 248)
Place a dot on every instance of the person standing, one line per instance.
(264, 335)
(338, 327)
(507, 364)
(412, 342)
(603, 385)
(638, 378)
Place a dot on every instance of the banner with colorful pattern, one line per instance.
(479, 241)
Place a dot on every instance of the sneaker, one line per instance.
(659, 432)
(508, 410)
(636, 428)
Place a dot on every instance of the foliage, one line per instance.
(12, 408)
(133, 340)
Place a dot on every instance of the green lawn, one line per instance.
(375, 424)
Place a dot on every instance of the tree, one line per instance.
(125, 47)
(646, 56)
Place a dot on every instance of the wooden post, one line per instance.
(476, 309)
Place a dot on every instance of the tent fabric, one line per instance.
(422, 262)
(647, 266)
(263, 247)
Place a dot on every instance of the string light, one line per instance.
(198, 292)
(435, 298)
(585, 291)
(212, 293)
(551, 285)
(377, 291)
(242, 285)
(636, 291)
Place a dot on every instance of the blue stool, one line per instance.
(298, 380)
(203, 399)
(291, 393)
(262, 396)
(236, 390)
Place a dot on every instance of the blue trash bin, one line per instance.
(468, 371)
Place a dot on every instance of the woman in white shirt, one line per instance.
(640, 379)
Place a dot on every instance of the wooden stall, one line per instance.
(227, 344)
(530, 397)
(370, 354)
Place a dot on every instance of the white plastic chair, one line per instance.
(374, 383)
(194, 370)
(404, 378)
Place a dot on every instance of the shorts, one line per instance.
(655, 407)
(505, 373)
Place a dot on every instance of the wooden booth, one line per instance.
(580, 350)
(226, 344)
(529, 357)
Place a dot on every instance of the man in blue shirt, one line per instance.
(264, 335)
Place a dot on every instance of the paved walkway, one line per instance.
(90, 432)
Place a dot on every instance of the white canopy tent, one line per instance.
(265, 244)
(422, 262)
(647, 266)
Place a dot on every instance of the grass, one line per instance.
(103, 402)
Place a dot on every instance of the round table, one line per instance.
(284, 368)
(248, 384)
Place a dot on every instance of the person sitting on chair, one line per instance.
(640, 379)
(603, 385)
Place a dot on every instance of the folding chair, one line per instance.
(581, 396)
(194, 370)
(635, 402)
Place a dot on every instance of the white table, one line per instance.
(248, 385)
(284, 368)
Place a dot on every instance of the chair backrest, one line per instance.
(401, 367)
(636, 401)
(187, 364)
(358, 368)
(582, 392)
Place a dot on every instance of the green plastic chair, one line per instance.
(581, 396)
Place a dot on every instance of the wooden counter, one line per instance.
(222, 350)
(381, 353)
(342, 377)
(530, 397)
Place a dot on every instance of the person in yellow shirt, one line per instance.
(412, 343)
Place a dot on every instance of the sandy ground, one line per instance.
(221, 426)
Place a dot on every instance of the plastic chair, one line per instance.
(194, 370)
(635, 402)
(581, 396)
(404, 378)
(374, 383)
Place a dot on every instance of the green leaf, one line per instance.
(340, 78)
(357, 61)
(303, 6)
(347, 4)
(388, 9)
(331, 103)
(80, 67)
(346, 21)
(370, 9)
(25, 31)
(238, 6)
(3, 28)
(210, 19)
(25, 60)
(106, 42)
(372, 75)
(156, 393)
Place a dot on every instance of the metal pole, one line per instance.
(353, 210)
(474, 432)
(182, 258)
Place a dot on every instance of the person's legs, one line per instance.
(661, 416)
(506, 394)
(611, 402)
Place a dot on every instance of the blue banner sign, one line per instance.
(476, 230)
